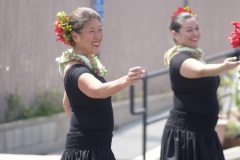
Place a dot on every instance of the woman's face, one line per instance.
(188, 34)
(90, 37)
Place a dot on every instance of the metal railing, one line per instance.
(143, 111)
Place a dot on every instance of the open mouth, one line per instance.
(96, 44)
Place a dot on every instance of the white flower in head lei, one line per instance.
(196, 53)
(91, 61)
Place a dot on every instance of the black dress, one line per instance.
(91, 124)
(189, 133)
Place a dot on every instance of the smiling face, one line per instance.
(88, 39)
(189, 34)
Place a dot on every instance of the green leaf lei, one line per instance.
(196, 53)
(90, 61)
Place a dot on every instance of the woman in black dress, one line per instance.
(189, 132)
(87, 99)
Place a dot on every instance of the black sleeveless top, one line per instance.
(193, 95)
(88, 114)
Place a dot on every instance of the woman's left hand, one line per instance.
(135, 74)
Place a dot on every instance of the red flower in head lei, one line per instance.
(62, 29)
(234, 36)
(183, 9)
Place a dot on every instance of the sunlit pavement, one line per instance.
(28, 157)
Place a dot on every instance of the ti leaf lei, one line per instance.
(90, 61)
(196, 53)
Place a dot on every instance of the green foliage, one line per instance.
(14, 103)
(229, 83)
(233, 129)
(237, 100)
(49, 102)
(224, 89)
(28, 112)
(46, 103)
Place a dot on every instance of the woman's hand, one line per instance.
(231, 62)
(135, 74)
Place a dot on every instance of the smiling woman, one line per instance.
(87, 99)
(189, 133)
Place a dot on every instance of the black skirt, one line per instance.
(190, 137)
(88, 146)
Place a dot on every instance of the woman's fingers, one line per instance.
(135, 73)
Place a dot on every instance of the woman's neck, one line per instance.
(78, 51)
(188, 46)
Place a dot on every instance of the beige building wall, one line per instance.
(135, 33)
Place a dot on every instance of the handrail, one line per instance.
(144, 109)
(132, 108)
(229, 53)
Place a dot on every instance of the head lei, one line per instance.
(234, 36)
(183, 9)
(196, 53)
(63, 29)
